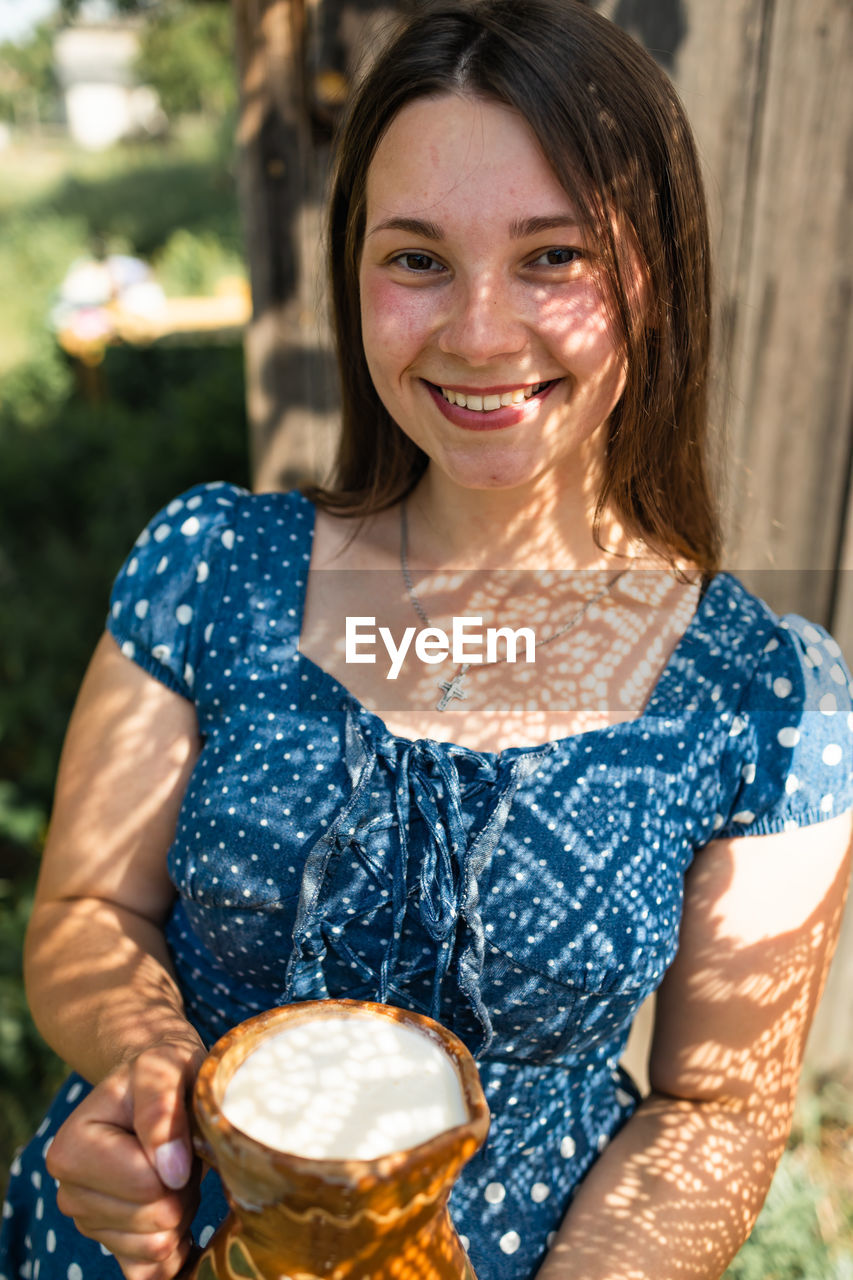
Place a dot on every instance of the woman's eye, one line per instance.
(561, 257)
(420, 263)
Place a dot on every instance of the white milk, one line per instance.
(345, 1088)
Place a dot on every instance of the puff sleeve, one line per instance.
(168, 590)
(789, 757)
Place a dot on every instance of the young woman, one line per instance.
(250, 812)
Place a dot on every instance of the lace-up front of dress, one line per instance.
(407, 844)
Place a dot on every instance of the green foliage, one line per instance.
(70, 8)
(788, 1242)
(74, 492)
(137, 202)
(21, 823)
(29, 91)
(36, 248)
(174, 202)
(195, 263)
(80, 478)
(187, 55)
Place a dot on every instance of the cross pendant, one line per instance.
(451, 689)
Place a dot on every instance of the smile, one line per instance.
(492, 409)
(488, 403)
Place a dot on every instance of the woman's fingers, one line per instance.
(96, 1148)
(124, 1162)
(135, 1268)
(162, 1079)
(152, 1239)
(149, 1247)
(97, 1213)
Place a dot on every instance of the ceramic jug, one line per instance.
(294, 1218)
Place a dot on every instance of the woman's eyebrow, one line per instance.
(414, 227)
(523, 227)
(519, 229)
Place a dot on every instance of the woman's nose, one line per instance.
(482, 322)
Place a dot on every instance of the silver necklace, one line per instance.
(451, 689)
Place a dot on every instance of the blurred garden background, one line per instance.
(117, 390)
(92, 443)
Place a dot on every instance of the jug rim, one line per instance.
(232, 1049)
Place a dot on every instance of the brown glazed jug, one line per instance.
(294, 1218)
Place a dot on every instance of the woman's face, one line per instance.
(485, 331)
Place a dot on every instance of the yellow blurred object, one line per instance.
(228, 310)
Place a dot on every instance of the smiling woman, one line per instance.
(661, 801)
(481, 303)
(625, 196)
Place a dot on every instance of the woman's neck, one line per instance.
(545, 527)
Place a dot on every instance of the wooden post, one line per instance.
(282, 180)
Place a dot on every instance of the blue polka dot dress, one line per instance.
(530, 899)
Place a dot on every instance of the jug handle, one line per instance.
(202, 1152)
(187, 1271)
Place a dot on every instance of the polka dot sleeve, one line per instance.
(789, 757)
(166, 593)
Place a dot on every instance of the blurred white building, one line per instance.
(103, 103)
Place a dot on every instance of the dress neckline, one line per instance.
(654, 706)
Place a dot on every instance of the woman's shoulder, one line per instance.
(174, 581)
(224, 510)
(222, 498)
(786, 644)
(790, 739)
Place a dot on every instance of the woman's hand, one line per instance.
(125, 1165)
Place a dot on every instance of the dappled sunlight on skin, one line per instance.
(685, 1181)
(122, 732)
(127, 739)
(121, 933)
(109, 889)
(599, 673)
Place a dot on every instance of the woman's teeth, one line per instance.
(485, 404)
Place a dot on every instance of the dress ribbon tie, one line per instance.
(422, 782)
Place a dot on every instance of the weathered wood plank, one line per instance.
(792, 391)
(282, 177)
(716, 56)
(768, 90)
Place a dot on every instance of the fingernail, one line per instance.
(172, 1162)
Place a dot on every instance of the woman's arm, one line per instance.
(675, 1194)
(98, 975)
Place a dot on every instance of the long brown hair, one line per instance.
(615, 133)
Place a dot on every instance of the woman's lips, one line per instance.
(493, 419)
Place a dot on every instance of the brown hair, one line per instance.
(615, 133)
